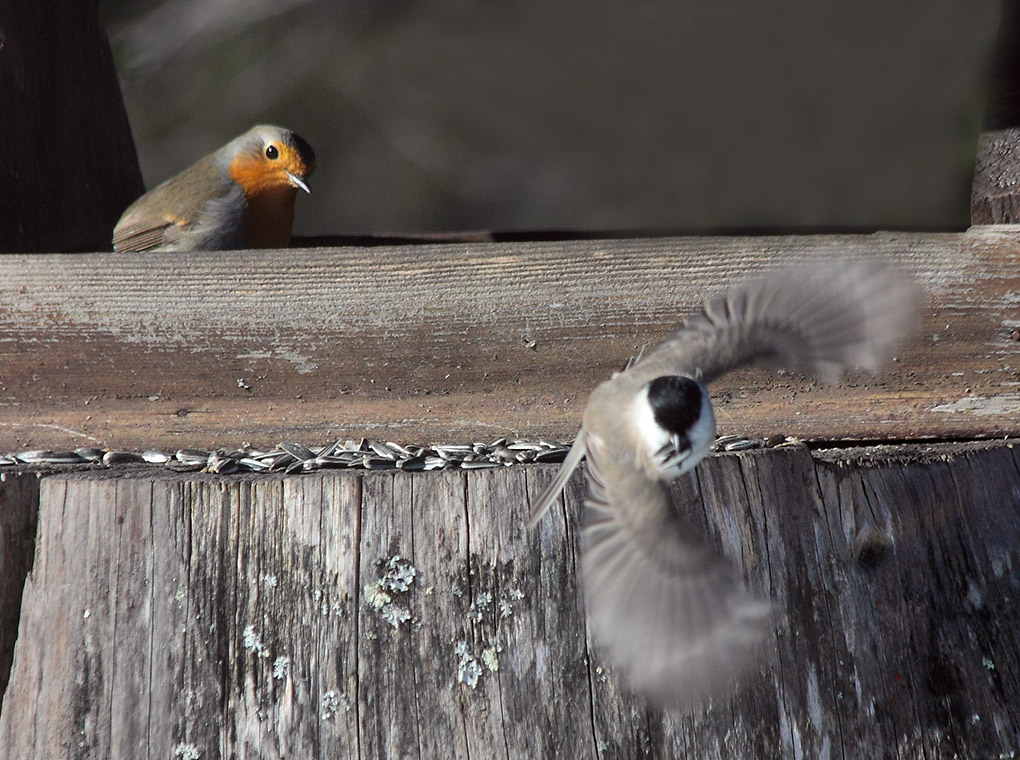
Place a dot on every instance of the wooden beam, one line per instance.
(995, 192)
(374, 614)
(445, 342)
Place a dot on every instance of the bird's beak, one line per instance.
(298, 182)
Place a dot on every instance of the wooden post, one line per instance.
(413, 615)
(69, 161)
(995, 192)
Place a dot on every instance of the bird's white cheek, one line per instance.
(703, 434)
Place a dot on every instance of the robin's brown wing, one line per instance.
(160, 217)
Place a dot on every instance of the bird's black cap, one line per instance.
(675, 402)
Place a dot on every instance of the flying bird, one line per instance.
(670, 611)
(240, 196)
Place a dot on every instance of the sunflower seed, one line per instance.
(478, 464)
(49, 457)
(378, 463)
(111, 458)
(363, 454)
(329, 448)
(382, 450)
(411, 463)
(524, 446)
(400, 451)
(31, 457)
(192, 456)
(221, 465)
(297, 451)
(176, 466)
(741, 445)
(552, 455)
(502, 452)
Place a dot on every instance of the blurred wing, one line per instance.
(670, 612)
(819, 318)
(548, 496)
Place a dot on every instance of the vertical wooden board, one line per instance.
(987, 487)
(96, 500)
(257, 627)
(19, 511)
(82, 668)
(257, 620)
(210, 600)
(48, 633)
(387, 710)
(785, 489)
(489, 576)
(132, 606)
(553, 671)
(527, 626)
(940, 665)
(333, 675)
(288, 596)
(861, 545)
(184, 691)
(439, 605)
(889, 691)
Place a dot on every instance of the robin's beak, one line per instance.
(298, 182)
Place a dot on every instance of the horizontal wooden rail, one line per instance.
(463, 341)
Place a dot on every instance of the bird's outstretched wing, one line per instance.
(822, 318)
(669, 611)
(548, 496)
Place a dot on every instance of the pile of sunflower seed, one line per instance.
(364, 454)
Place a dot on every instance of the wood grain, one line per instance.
(444, 342)
(269, 616)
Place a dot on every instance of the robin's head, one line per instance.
(269, 158)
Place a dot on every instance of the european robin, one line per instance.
(241, 196)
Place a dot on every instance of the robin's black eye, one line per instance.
(272, 153)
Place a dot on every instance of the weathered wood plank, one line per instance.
(174, 350)
(441, 542)
(387, 708)
(244, 617)
(19, 503)
(995, 193)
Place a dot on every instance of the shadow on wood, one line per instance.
(19, 508)
(399, 614)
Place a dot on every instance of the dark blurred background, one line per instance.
(655, 115)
